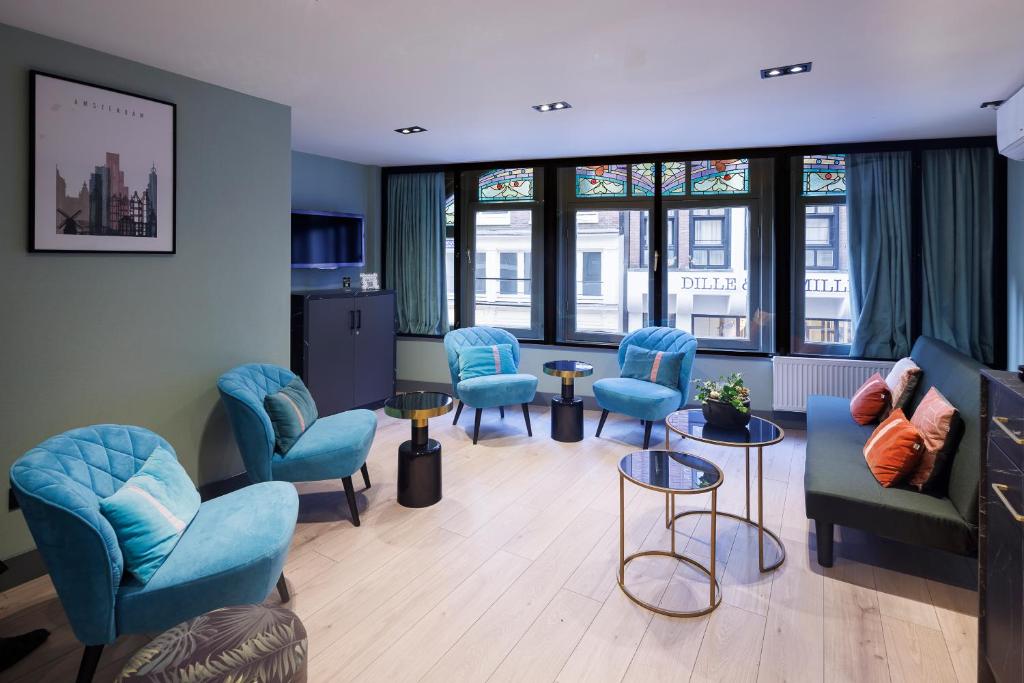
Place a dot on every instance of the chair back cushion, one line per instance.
(660, 367)
(481, 361)
(292, 411)
(59, 484)
(151, 512)
(457, 340)
(242, 390)
(665, 339)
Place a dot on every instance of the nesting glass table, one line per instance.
(670, 473)
(419, 460)
(758, 434)
(567, 410)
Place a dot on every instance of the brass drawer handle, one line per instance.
(999, 488)
(1001, 422)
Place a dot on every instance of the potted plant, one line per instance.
(725, 403)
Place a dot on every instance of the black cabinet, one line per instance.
(343, 347)
(1001, 532)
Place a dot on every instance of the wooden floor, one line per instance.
(511, 577)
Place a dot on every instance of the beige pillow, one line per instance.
(902, 380)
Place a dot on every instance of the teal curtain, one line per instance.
(957, 190)
(878, 202)
(415, 251)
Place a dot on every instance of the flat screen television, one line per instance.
(325, 240)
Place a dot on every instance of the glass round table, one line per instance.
(419, 459)
(567, 410)
(690, 424)
(671, 473)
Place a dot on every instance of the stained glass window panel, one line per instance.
(601, 181)
(643, 180)
(824, 175)
(506, 185)
(673, 178)
(449, 211)
(719, 176)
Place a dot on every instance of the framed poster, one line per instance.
(103, 169)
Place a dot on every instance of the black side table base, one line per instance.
(567, 419)
(419, 474)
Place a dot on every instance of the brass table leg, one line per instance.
(622, 528)
(714, 540)
(760, 511)
(746, 482)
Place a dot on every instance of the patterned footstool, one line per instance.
(246, 644)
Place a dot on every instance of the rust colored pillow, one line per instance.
(870, 401)
(894, 450)
(902, 380)
(940, 427)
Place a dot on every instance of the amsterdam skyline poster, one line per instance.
(103, 169)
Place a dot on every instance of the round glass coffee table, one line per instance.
(567, 410)
(419, 460)
(759, 433)
(670, 473)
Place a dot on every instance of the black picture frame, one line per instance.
(170, 218)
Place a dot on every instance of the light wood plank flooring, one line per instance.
(511, 577)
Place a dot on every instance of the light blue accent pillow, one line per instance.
(150, 512)
(653, 366)
(480, 361)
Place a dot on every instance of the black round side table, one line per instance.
(567, 410)
(419, 460)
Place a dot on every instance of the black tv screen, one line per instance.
(326, 240)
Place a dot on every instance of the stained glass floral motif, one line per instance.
(449, 211)
(643, 180)
(719, 176)
(506, 185)
(673, 178)
(601, 181)
(824, 175)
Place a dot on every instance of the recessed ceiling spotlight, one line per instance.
(552, 106)
(409, 130)
(788, 70)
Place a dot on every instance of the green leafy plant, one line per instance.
(726, 390)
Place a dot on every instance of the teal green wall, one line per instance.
(324, 184)
(1015, 264)
(89, 338)
(424, 360)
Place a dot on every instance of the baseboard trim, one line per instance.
(22, 569)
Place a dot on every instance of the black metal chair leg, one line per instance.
(501, 409)
(90, 660)
(647, 433)
(458, 411)
(350, 493)
(526, 416)
(476, 425)
(282, 589)
(600, 425)
(366, 475)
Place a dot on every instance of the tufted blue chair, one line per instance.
(647, 401)
(230, 554)
(492, 391)
(333, 447)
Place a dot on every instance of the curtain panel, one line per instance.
(878, 197)
(415, 251)
(958, 186)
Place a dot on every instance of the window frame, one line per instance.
(833, 237)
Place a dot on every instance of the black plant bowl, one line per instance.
(724, 415)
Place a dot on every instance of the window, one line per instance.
(710, 236)
(718, 326)
(822, 310)
(449, 250)
(509, 262)
(591, 273)
(481, 273)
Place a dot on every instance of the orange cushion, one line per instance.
(870, 401)
(894, 449)
(934, 419)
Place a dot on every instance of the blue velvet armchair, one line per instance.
(492, 391)
(333, 447)
(231, 553)
(647, 401)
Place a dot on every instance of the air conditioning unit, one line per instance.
(1010, 126)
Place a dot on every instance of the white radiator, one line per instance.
(795, 378)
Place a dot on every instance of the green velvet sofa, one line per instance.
(840, 489)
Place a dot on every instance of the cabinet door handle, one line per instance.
(1002, 422)
(351, 320)
(999, 488)
(359, 320)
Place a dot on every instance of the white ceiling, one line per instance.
(642, 75)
